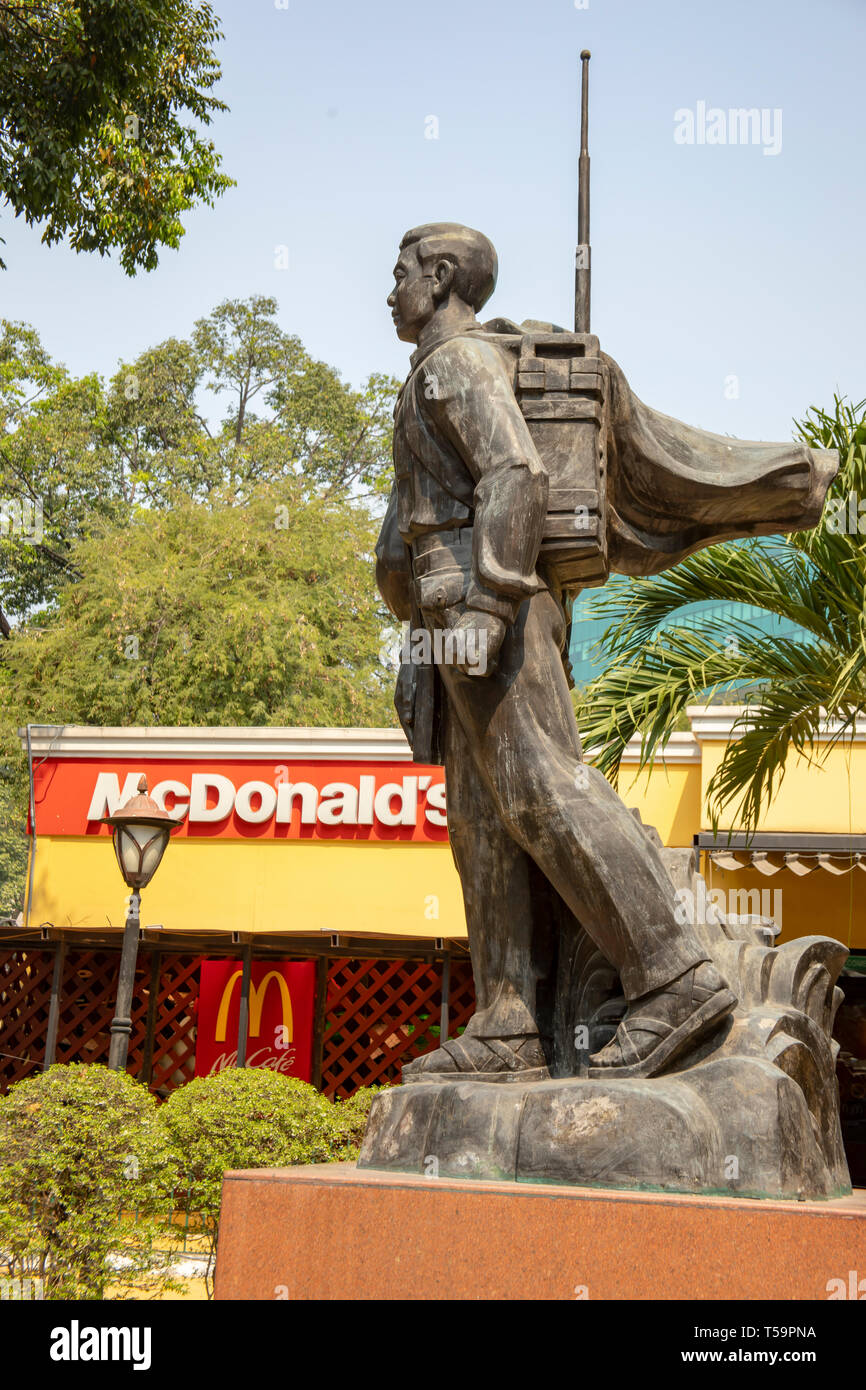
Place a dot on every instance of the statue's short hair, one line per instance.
(473, 255)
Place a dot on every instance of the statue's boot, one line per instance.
(482, 1059)
(663, 1024)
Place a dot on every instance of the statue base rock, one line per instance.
(738, 1127)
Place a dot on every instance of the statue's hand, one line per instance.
(484, 637)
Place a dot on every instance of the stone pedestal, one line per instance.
(335, 1232)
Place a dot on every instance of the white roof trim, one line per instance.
(211, 744)
(680, 748)
(708, 723)
(280, 744)
(716, 723)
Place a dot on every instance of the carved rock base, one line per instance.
(732, 1125)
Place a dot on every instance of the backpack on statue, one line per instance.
(561, 384)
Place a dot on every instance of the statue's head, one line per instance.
(439, 263)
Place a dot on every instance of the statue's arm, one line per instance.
(392, 565)
(475, 408)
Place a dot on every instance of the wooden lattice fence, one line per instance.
(25, 995)
(175, 1006)
(378, 1015)
(382, 1013)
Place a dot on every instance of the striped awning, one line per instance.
(769, 853)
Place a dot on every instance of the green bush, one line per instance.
(351, 1120)
(250, 1117)
(91, 1165)
(82, 1149)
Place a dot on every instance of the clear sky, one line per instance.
(710, 261)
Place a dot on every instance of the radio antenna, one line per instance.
(582, 269)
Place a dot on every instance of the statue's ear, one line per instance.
(443, 278)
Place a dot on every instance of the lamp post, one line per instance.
(140, 832)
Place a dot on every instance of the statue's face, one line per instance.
(411, 301)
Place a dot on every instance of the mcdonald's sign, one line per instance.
(280, 1030)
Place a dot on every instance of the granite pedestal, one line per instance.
(335, 1232)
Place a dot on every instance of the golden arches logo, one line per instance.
(257, 999)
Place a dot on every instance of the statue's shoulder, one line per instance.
(471, 361)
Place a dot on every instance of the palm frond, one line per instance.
(798, 685)
(778, 580)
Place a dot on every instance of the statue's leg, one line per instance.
(511, 950)
(509, 954)
(521, 734)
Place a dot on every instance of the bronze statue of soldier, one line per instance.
(642, 1049)
(472, 546)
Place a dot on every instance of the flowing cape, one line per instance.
(673, 488)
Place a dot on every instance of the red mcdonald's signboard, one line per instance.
(280, 1034)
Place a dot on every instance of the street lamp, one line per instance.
(140, 832)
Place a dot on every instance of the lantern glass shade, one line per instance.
(139, 848)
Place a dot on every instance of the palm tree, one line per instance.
(790, 684)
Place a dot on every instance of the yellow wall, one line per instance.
(827, 798)
(387, 888)
(669, 799)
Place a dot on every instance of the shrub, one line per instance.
(350, 1118)
(81, 1149)
(250, 1117)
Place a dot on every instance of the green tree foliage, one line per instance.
(13, 819)
(55, 470)
(250, 1117)
(262, 612)
(89, 456)
(286, 414)
(101, 109)
(815, 579)
(82, 1148)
